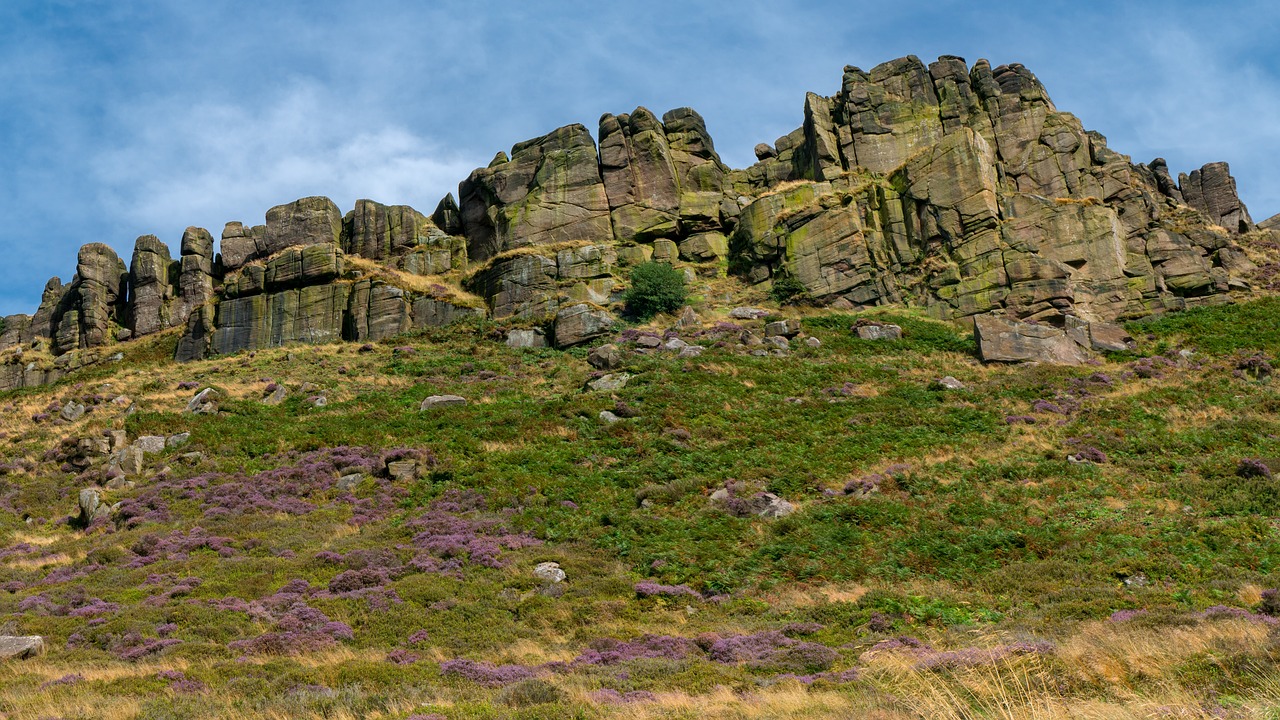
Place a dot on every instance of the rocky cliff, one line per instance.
(954, 188)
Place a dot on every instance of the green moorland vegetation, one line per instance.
(1047, 542)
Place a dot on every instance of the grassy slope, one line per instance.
(988, 537)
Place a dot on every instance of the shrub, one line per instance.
(787, 289)
(530, 692)
(655, 287)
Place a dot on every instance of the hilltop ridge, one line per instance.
(958, 189)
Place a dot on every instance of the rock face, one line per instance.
(957, 188)
(550, 191)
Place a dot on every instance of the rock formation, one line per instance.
(959, 189)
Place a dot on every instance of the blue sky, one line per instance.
(122, 118)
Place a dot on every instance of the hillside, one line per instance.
(390, 465)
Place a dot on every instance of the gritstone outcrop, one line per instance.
(959, 189)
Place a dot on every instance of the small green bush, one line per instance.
(527, 693)
(655, 287)
(787, 289)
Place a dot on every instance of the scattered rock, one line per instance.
(813, 342)
(402, 470)
(131, 461)
(21, 647)
(275, 397)
(782, 328)
(178, 440)
(1137, 581)
(688, 318)
(608, 418)
(777, 341)
(72, 411)
(150, 443)
(949, 383)
(526, 339)
(648, 341)
(762, 504)
(691, 351)
(674, 344)
(205, 402)
(870, 330)
(122, 401)
(319, 401)
(549, 572)
(623, 410)
(609, 383)
(91, 507)
(436, 401)
(347, 483)
(747, 313)
(605, 357)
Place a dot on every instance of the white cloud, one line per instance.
(176, 163)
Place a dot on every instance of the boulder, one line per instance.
(177, 441)
(948, 383)
(308, 221)
(1113, 338)
(747, 313)
(276, 396)
(204, 402)
(605, 357)
(526, 339)
(878, 331)
(91, 507)
(403, 470)
(549, 572)
(579, 323)
(19, 647)
(1003, 340)
(762, 504)
(608, 417)
(150, 443)
(437, 401)
(782, 328)
(72, 411)
(609, 383)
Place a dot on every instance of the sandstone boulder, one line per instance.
(577, 324)
(1003, 340)
(18, 647)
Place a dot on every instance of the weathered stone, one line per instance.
(72, 411)
(649, 341)
(1003, 340)
(447, 217)
(521, 286)
(131, 460)
(747, 313)
(1212, 191)
(150, 443)
(577, 324)
(813, 342)
(878, 331)
(204, 402)
(608, 418)
(763, 504)
(436, 401)
(308, 221)
(275, 397)
(609, 383)
(1105, 336)
(306, 265)
(195, 275)
(605, 357)
(549, 572)
(310, 314)
(690, 351)
(403, 470)
(949, 383)
(639, 177)
(177, 441)
(347, 483)
(782, 328)
(526, 339)
(150, 292)
(549, 192)
(21, 647)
